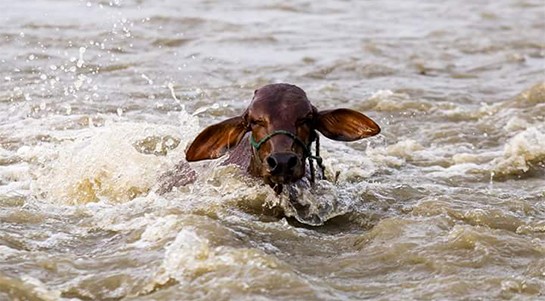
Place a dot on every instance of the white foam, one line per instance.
(186, 253)
(395, 155)
(40, 290)
(191, 255)
(388, 101)
(522, 151)
(155, 232)
(516, 124)
(7, 252)
(103, 163)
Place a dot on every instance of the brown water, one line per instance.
(100, 98)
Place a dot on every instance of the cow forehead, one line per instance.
(282, 102)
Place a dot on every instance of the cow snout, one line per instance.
(282, 163)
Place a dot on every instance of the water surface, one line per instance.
(100, 98)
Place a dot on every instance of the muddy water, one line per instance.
(99, 98)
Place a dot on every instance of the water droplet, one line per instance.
(119, 112)
(147, 78)
(80, 60)
(31, 57)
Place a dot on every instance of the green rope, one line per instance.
(307, 149)
(258, 144)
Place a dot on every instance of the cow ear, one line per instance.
(214, 141)
(345, 125)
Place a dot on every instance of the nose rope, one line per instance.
(307, 149)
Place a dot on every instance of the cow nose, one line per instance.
(282, 163)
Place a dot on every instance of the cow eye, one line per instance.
(304, 121)
(256, 122)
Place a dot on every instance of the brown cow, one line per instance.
(282, 125)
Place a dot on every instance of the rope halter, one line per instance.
(306, 148)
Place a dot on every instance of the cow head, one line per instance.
(282, 124)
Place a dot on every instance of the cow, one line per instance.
(272, 138)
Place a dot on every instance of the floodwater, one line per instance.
(100, 98)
